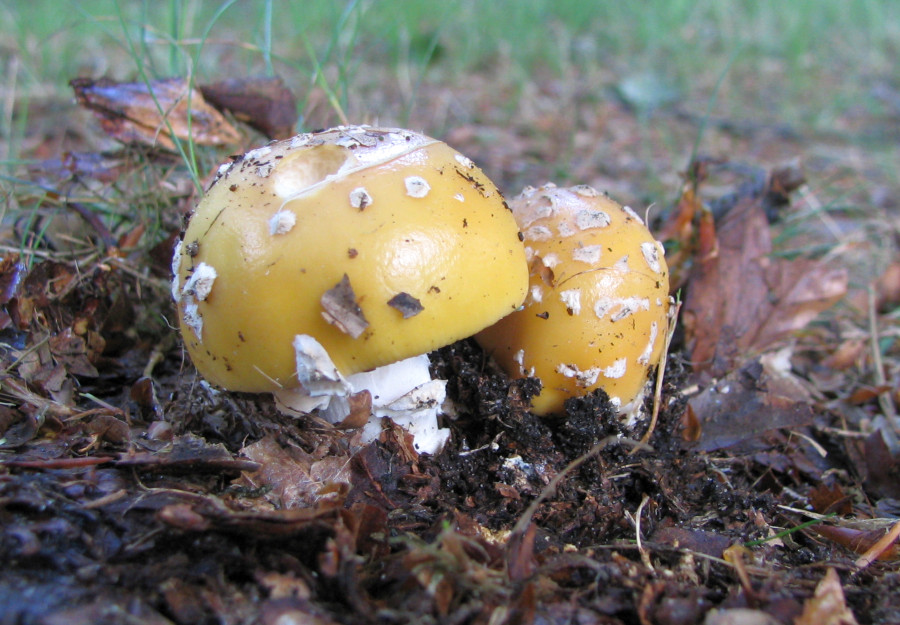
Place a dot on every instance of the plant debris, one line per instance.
(132, 491)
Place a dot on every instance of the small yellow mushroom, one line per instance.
(596, 312)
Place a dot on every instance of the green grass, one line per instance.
(807, 65)
(785, 51)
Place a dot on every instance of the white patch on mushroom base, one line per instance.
(519, 359)
(415, 411)
(465, 161)
(537, 294)
(200, 283)
(176, 265)
(315, 369)
(589, 254)
(617, 369)
(282, 222)
(416, 186)
(644, 358)
(571, 299)
(650, 251)
(403, 391)
(586, 219)
(584, 379)
(360, 198)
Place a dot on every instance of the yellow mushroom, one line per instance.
(337, 252)
(596, 312)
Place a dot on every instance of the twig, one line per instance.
(884, 399)
(58, 463)
(525, 519)
(645, 557)
(674, 309)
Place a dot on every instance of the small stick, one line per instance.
(884, 399)
(660, 374)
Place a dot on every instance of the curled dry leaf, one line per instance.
(827, 606)
(741, 300)
(152, 114)
(263, 103)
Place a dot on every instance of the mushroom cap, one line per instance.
(380, 243)
(596, 312)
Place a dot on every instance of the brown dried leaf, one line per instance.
(206, 512)
(741, 300)
(188, 454)
(292, 477)
(882, 467)
(861, 536)
(826, 499)
(742, 406)
(340, 309)
(153, 114)
(263, 103)
(406, 304)
(360, 411)
(827, 606)
(694, 540)
(73, 352)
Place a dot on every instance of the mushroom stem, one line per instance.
(402, 391)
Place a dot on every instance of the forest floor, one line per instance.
(768, 492)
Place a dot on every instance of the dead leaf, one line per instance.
(701, 541)
(825, 498)
(339, 308)
(263, 103)
(740, 407)
(73, 352)
(741, 300)
(188, 454)
(406, 304)
(882, 468)
(827, 606)
(861, 536)
(192, 512)
(138, 113)
(293, 478)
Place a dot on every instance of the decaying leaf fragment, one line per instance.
(151, 114)
(264, 103)
(741, 299)
(827, 606)
(744, 404)
(340, 309)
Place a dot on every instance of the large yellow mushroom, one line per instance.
(338, 252)
(596, 312)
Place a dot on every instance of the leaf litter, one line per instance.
(132, 491)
